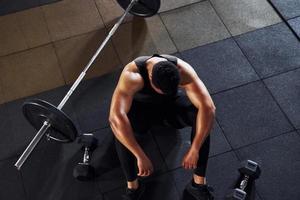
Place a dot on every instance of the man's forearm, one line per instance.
(204, 124)
(122, 130)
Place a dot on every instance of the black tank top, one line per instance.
(147, 93)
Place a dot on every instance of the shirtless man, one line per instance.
(161, 89)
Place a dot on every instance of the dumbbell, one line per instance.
(250, 172)
(83, 171)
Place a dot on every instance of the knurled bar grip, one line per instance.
(46, 124)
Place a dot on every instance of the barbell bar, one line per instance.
(45, 116)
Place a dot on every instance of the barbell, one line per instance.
(51, 120)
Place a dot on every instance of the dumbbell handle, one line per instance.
(244, 182)
(86, 156)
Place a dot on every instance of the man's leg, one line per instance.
(185, 115)
(141, 116)
(128, 164)
(200, 171)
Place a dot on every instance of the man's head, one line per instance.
(165, 76)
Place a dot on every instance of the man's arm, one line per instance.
(128, 85)
(200, 97)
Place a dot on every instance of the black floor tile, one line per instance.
(220, 65)
(92, 100)
(111, 179)
(114, 178)
(285, 89)
(181, 177)
(105, 160)
(161, 187)
(7, 144)
(287, 8)
(17, 130)
(271, 50)
(11, 6)
(249, 114)
(221, 175)
(48, 174)
(105, 157)
(218, 142)
(151, 149)
(173, 144)
(279, 161)
(295, 24)
(11, 181)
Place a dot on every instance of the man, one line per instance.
(161, 89)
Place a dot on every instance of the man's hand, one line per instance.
(190, 159)
(145, 166)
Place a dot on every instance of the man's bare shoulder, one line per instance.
(130, 79)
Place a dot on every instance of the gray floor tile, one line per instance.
(15, 6)
(172, 4)
(271, 50)
(241, 16)
(142, 36)
(295, 24)
(188, 32)
(10, 181)
(279, 161)
(161, 187)
(173, 144)
(248, 114)
(220, 65)
(287, 8)
(49, 174)
(285, 88)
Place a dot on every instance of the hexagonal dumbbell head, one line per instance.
(83, 172)
(238, 194)
(88, 140)
(251, 169)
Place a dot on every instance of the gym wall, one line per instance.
(47, 47)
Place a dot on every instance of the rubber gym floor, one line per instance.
(246, 52)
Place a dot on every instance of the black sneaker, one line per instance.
(135, 194)
(203, 192)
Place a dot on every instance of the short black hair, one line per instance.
(165, 76)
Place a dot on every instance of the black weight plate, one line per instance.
(38, 111)
(143, 8)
